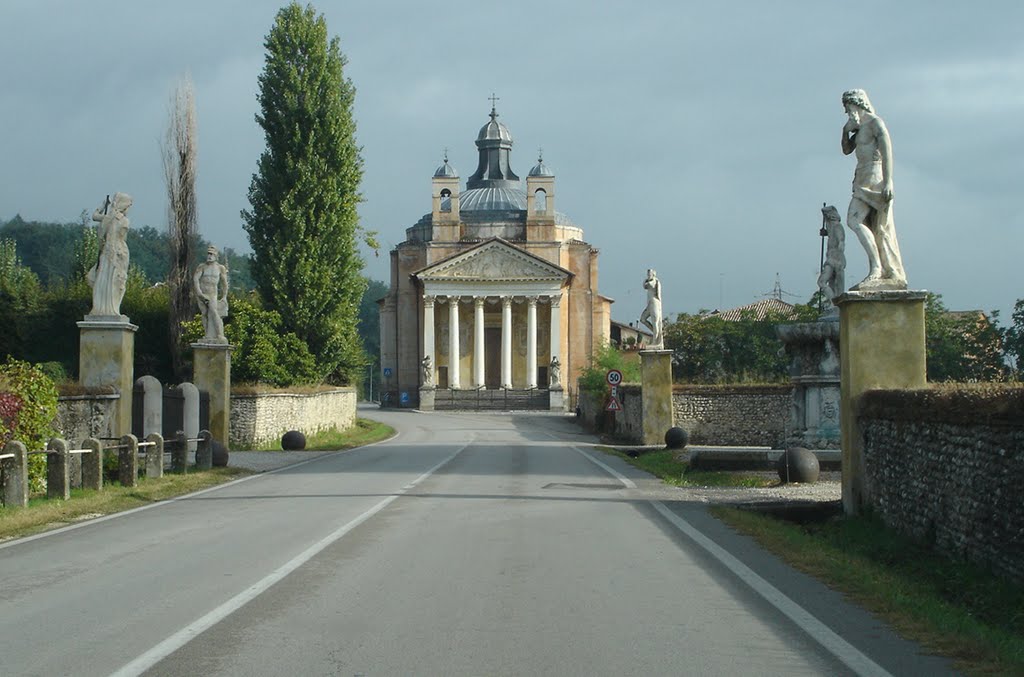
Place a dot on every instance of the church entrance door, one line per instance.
(492, 358)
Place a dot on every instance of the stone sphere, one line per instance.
(798, 465)
(293, 440)
(220, 455)
(676, 438)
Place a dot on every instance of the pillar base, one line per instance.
(882, 340)
(427, 398)
(211, 372)
(656, 394)
(106, 357)
(557, 400)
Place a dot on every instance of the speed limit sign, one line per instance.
(614, 377)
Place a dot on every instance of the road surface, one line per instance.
(470, 544)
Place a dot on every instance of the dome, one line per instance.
(446, 171)
(494, 131)
(541, 169)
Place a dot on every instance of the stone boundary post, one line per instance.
(128, 461)
(15, 471)
(58, 476)
(92, 464)
(179, 454)
(204, 452)
(155, 455)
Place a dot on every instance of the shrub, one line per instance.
(28, 406)
(594, 377)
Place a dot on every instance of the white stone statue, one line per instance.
(832, 280)
(870, 215)
(651, 317)
(109, 276)
(210, 284)
(427, 365)
(555, 373)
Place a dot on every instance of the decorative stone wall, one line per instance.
(945, 466)
(734, 415)
(82, 416)
(260, 418)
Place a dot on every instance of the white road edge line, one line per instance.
(193, 629)
(125, 513)
(848, 654)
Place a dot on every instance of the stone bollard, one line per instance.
(15, 471)
(58, 476)
(204, 451)
(92, 464)
(128, 461)
(155, 455)
(179, 454)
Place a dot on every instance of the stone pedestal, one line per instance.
(813, 349)
(556, 399)
(427, 398)
(105, 358)
(883, 347)
(211, 372)
(656, 404)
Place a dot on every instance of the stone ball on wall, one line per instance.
(798, 464)
(220, 455)
(293, 440)
(676, 438)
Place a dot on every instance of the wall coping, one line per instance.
(96, 396)
(254, 396)
(732, 388)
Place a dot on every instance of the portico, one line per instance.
(502, 319)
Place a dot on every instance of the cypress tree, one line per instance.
(303, 223)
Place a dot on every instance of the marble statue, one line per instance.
(651, 317)
(555, 373)
(870, 215)
(109, 276)
(428, 371)
(832, 280)
(210, 284)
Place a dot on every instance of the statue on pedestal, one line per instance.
(109, 277)
(651, 317)
(870, 215)
(210, 284)
(832, 280)
(555, 373)
(427, 366)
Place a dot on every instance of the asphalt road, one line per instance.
(467, 545)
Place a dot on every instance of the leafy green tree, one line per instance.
(1013, 338)
(962, 346)
(303, 223)
(594, 377)
(709, 349)
(20, 298)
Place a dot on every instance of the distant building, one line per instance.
(491, 286)
(759, 310)
(626, 336)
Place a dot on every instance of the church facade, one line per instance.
(493, 294)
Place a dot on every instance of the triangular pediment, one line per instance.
(494, 260)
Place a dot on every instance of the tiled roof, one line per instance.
(758, 310)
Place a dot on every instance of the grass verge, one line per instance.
(43, 515)
(954, 608)
(662, 464)
(362, 433)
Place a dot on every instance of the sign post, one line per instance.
(614, 378)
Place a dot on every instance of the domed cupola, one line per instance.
(494, 143)
(446, 171)
(541, 169)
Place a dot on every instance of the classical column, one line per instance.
(428, 334)
(478, 341)
(556, 326)
(453, 342)
(506, 341)
(531, 342)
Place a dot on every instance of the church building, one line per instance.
(493, 300)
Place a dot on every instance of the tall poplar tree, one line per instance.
(303, 223)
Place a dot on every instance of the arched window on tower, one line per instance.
(540, 201)
(446, 200)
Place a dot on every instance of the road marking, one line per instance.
(845, 652)
(194, 629)
(126, 513)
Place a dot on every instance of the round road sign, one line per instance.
(614, 377)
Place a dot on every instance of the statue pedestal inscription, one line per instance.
(883, 347)
(211, 372)
(656, 398)
(105, 357)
